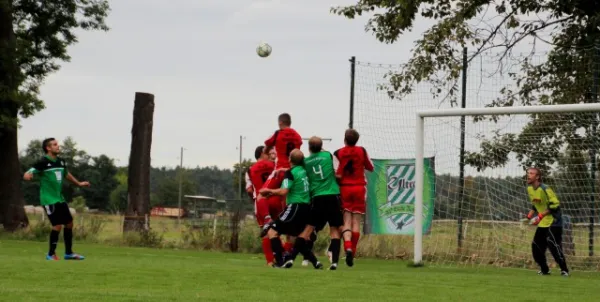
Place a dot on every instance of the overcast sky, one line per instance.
(198, 58)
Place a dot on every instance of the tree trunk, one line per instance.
(138, 195)
(12, 213)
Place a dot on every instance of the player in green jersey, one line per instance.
(292, 221)
(51, 171)
(326, 208)
(548, 234)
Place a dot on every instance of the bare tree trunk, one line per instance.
(12, 213)
(138, 195)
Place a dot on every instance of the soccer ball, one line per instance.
(263, 50)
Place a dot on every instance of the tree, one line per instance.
(118, 197)
(138, 179)
(34, 38)
(168, 190)
(246, 163)
(101, 174)
(567, 76)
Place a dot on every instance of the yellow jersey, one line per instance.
(543, 198)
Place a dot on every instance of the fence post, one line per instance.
(352, 77)
(461, 175)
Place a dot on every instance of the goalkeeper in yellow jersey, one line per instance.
(545, 213)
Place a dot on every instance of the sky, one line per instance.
(199, 60)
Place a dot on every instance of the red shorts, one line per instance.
(268, 207)
(353, 198)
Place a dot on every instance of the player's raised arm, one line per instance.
(270, 142)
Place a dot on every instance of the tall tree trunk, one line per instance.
(138, 195)
(12, 213)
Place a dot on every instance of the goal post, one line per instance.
(420, 133)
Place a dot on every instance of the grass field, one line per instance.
(140, 274)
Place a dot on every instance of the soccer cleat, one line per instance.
(73, 257)
(543, 274)
(333, 267)
(288, 264)
(318, 265)
(564, 273)
(305, 262)
(349, 258)
(53, 257)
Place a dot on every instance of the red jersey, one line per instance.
(259, 173)
(352, 164)
(284, 141)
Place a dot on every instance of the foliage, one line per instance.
(78, 204)
(43, 32)
(246, 163)
(569, 75)
(98, 170)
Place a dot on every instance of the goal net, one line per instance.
(483, 225)
(480, 226)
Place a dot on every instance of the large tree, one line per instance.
(571, 28)
(34, 37)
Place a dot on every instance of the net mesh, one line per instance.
(497, 152)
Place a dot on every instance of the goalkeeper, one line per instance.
(548, 234)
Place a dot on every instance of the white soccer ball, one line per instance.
(263, 50)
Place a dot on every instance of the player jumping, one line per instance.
(283, 141)
(325, 193)
(52, 172)
(353, 161)
(294, 218)
(548, 234)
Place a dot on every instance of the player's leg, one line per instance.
(266, 242)
(358, 211)
(356, 222)
(346, 196)
(55, 232)
(538, 249)
(555, 247)
(68, 232)
(305, 232)
(335, 219)
(280, 226)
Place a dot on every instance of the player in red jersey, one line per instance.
(284, 141)
(265, 209)
(353, 161)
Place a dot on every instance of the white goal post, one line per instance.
(457, 112)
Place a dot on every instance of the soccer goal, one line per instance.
(472, 218)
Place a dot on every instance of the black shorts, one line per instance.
(58, 213)
(293, 219)
(326, 209)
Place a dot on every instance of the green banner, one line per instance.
(391, 197)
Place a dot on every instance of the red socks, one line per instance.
(348, 246)
(288, 246)
(266, 246)
(355, 237)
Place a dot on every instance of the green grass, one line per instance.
(141, 274)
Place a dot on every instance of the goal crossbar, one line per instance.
(420, 146)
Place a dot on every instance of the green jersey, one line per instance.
(321, 174)
(52, 173)
(296, 182)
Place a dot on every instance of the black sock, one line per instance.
(308, 254)
(277, 250)
(335, 250)
(68, 234)
(53, 242)
(309, 246)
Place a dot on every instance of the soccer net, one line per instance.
(480, 226)
(483, 226)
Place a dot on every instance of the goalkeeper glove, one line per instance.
(536, 219)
